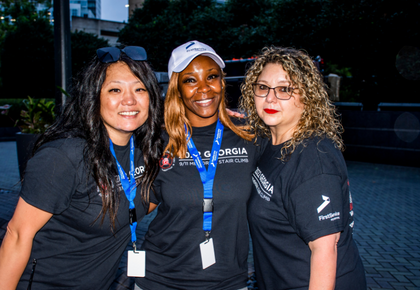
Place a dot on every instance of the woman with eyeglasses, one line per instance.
(199, 237)
(89, 180)
(300, 212)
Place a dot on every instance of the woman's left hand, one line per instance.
(323, 262)
(152, 207)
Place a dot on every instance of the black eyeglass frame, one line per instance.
(291, 89)
(113, 54)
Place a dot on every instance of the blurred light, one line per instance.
(126, 5)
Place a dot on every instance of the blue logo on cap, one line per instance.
(192, 43)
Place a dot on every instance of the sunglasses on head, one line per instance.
(112, 54)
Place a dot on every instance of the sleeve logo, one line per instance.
(166, 162)
(331, 216)
(324, 204)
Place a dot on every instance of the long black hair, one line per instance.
(81, 118)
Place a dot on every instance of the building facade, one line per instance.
(102, 28)
(79, 8)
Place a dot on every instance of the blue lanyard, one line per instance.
(129, 187)
(207, 176)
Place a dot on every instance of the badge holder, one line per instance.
(136, 260)
(208, 257)
(136, 263)
(207, 253)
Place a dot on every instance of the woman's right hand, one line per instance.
(235, 114)
(17, 243)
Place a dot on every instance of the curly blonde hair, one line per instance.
(175, 119)
(319, 117)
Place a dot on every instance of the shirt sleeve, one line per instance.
(49, 181)
(154, 195)
(261, 143)
(316, 207)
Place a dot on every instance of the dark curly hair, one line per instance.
(81, 118)
(318, 117)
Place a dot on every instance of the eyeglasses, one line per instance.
(281, 92)
(112, 54)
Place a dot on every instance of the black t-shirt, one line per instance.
(298, 201)
(173, 259)
(72, 250)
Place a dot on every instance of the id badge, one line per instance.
(136, 264)
(207, 253)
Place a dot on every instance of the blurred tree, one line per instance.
(13, 11)
(83, 49)
(239, 28)
(17, 11)
(27, 52)
(364, 36)
(162, 25)
(367, 36)
(250, 27)
(247, 12)
(301, 24)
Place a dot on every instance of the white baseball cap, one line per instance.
(184, 54)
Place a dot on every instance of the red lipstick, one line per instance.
(270, 111)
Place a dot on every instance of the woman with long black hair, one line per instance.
(72, 222)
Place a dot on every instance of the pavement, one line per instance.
(386, 201)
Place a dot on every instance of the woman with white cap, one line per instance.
(199, 238)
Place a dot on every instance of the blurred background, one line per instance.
(368, 52)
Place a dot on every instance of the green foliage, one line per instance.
(366, 36)
(11, 102)
(358, 38)
(249, 28)
(9, 116)
(246, 12)
(83, 49)
(408, 63)
(9, 112)
(349, 93)
(37, 117)
(331, 68)
(19, 11)
(162, 25)
(27, 53)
